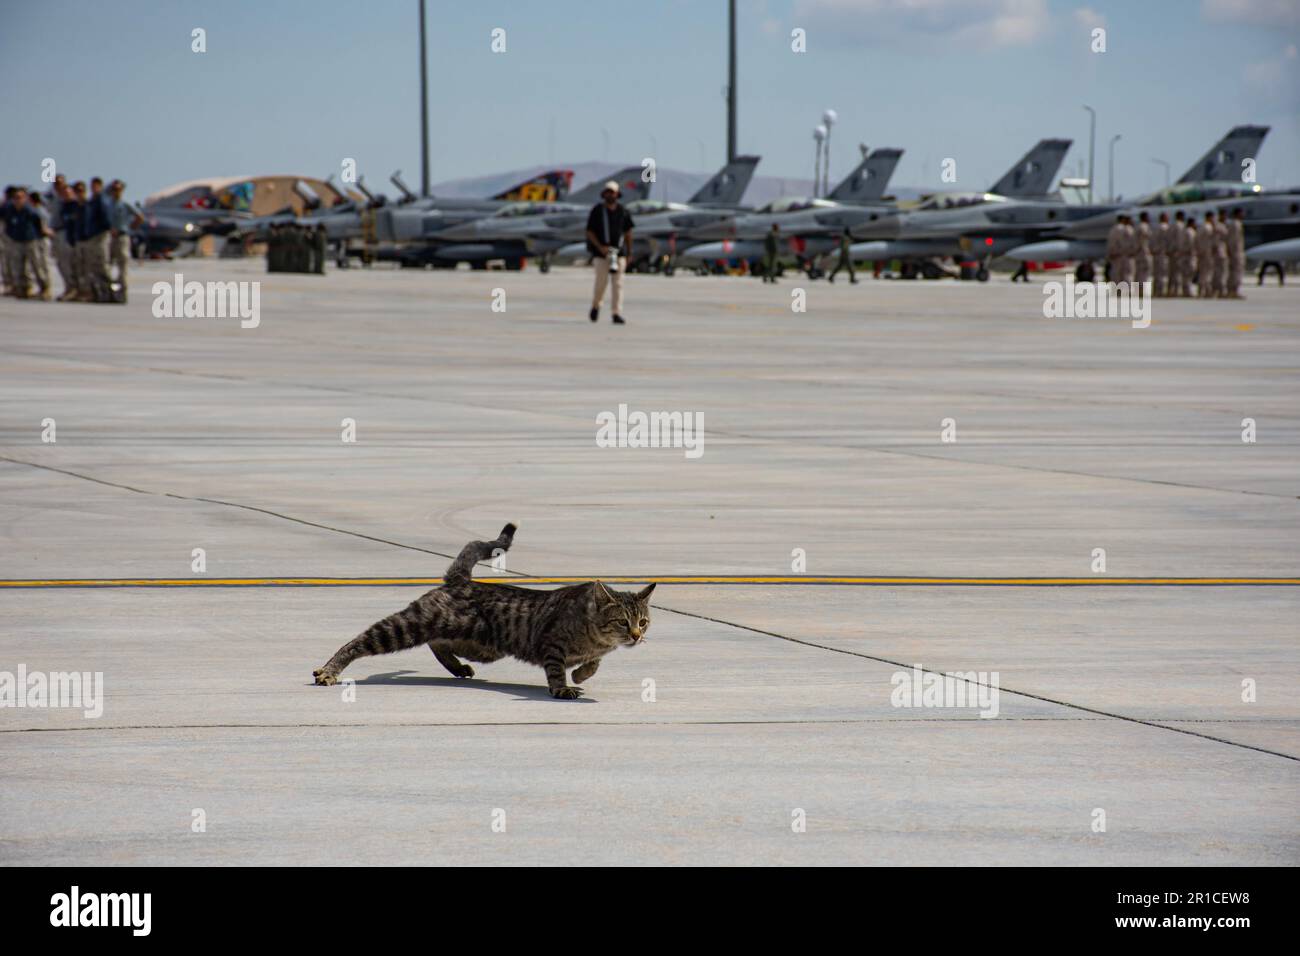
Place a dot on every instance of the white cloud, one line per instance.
(1255, 12)
(1274, 76)
(1088, 17)
(983, 23)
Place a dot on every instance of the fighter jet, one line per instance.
(166, 230)
(175, 223)
(557, 230)
(1213, 182)
(981, 226)
(1271, 222)
(341, 215)
(972, 225)
(809, 225)
(420, 227)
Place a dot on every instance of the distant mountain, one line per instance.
(670, 184)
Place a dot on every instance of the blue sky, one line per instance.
(296, 86)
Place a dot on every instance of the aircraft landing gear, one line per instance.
(544, 264)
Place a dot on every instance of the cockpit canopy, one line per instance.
(958, 200)
(795, 204)
(1200, 192)
(530, 209)
(646, 207)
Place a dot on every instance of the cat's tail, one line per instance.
(462, 569)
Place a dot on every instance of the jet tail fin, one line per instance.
(1035, 172)
(550, 186)
(1223, 161)
(361, 188)
(310, 198)
(396, 180)
(629, 181)
(729, 184)
(868, 181)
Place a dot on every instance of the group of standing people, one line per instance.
(294, 248)
(1174, 255)
(88, 234)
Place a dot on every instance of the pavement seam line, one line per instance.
(783, 637)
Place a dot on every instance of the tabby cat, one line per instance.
(570, 627)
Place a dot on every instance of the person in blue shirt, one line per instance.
(6, 255)
(92, 245)
(23, 229)
(70, 215)
(37, 257)
(122, 216)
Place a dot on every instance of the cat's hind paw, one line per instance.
(324, 678)
(566, 693)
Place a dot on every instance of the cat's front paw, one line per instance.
(566, 693)
(324, 678)
(464, 671)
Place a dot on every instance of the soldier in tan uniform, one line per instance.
(1114, 250)
(1142, 257)
(1177, 255)
(1221, 256)
(1189, 260)
(1161, 237)
(1236, 252)
(1221, 262)
(1206, 239)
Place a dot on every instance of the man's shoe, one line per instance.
(618, 320)
(594, 314)
(831, 279)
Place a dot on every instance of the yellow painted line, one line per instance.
(756, 580)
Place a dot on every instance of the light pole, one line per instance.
(1161, 162)
(819, 134)
(731, 82)
(424, 111)
(828, 119)
(1092, 146)
(1113, 140)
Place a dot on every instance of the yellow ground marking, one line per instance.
(753, 580)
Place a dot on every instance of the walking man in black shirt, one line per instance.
(609, 240)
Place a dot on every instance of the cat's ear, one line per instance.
(644, 593)
(605, 594)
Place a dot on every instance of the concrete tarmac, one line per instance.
(756, 702)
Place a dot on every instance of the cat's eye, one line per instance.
(644, 622)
